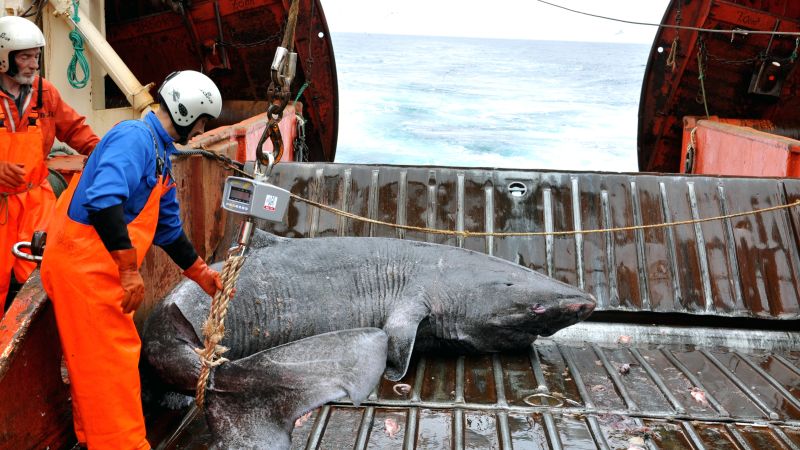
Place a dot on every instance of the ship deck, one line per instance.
(692, 388)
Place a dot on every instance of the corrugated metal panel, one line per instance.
(570, 395)
(746, 266)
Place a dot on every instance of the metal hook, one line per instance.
(264, 176)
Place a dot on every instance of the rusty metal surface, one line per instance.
(570, 395)
(35, 411)
(741, 267)
(668, 95)
(155, 41)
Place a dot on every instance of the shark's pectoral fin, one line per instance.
(253, 402)
(168, 345)
(401, 327)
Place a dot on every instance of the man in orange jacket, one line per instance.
(32, 115)
(106, 220)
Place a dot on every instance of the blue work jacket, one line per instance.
(122, 170)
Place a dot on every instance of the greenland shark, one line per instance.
(315, 319)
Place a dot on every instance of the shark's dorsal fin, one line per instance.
(263, 238)
(401, 327)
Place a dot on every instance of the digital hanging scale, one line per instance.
(255, 198)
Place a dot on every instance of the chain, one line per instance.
(672, 58)
(701, 54)
(301, 149)
(268, 40)
(35, 9)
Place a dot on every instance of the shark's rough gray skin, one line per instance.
(428, 296)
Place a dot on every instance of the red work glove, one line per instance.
(11, 174)
(130, 278)
(207, 278)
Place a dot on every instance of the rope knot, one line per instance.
(78, 58)
(214, 326)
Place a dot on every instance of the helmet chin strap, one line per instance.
(183, 132)
(13, 70)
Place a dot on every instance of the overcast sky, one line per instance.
(508, 19)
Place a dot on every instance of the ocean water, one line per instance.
(416, 100)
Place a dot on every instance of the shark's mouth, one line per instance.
(569, 320)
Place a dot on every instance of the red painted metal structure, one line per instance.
(234, 42)
(745, 76)
(738, 147)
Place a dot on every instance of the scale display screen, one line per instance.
(240, 195)
(255, 198)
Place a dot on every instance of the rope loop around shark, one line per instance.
(318, 319)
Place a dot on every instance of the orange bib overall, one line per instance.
(101, 345)
(26, 208)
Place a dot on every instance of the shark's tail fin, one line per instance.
(253, 402)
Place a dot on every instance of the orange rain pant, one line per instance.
(101, 345)
(23, 209)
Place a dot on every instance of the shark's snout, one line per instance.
(582, 307)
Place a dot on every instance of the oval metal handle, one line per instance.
(17, 250)
(517, 189)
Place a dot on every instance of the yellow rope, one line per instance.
(339, 212)
(539, 233)
(214, 327)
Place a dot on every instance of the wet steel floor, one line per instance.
(568, 396)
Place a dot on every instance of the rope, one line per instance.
(78, 58)
(300, 92)
(676, 27)
(291, 24)
(540, 233)
(214, 327)
(702, 76)
(672, 58)
(349, 215)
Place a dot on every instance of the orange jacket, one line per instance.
(56, 119)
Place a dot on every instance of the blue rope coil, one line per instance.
(78, 58)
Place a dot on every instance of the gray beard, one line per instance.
(21, 79)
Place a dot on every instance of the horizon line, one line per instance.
(490, 38)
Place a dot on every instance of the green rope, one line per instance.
(300, 92)
(78, 58)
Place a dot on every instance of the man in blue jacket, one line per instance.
(124, 201)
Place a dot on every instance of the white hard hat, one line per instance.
(17, 33)
(189, 95)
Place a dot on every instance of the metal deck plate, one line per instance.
(569, 395)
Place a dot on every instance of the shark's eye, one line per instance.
(538, 309)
